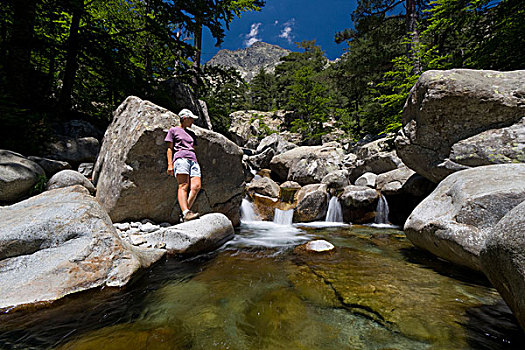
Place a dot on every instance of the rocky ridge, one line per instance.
(250, 60)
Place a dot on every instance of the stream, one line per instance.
(375, 291)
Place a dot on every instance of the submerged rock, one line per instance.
(62, 242)
(455, 220)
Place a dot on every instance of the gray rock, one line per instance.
(78, 128)
(391, 182)
(307, 164)
(503, 260)
(17, 175)
(276, 142)
(86, 169)
(496, 146)
(50, 166)
(319, 246)
(74, 151)
(205, 234)
(251, 125)
(264, 186)
(359, 204)
(312, 203)
(337, 179)
(62, 242)
(149, 227)
(130, 173)
(262, 160)
(358, 196)
(376, 163)
(122, 226)
(446, 107)
(66, 178)
(367, 180)
(457, 218)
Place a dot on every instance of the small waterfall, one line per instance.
(283, 217)
(247, 212)
(335, 211)
(382, 211)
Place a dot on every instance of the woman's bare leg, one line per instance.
(182, 192)
(195, 187)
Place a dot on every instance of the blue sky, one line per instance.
(283, 22)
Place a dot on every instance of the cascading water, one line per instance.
(335, 211)
(283, 217)
(382, 211)
(247, 212)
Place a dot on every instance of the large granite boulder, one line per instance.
(456, 219)
(17, 175)
(130, 173)
(205, 234)
(276, 142)
(62, 242)
(312, 203)
(503, 260)
(447, 109)
(307, 164)
(66, 178)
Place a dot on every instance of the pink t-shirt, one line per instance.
(183, 142)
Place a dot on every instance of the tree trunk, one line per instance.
(19, 60)
(413, 33)
(73, 48)
(198, 45)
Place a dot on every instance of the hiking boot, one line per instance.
(190, 216)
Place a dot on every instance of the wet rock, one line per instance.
(359, 204)
(62, 242)
(312, 203)
(50, 166)
(288, 190)
(66, 178)
(317, 246)
(336, 180)
(202, 235)
(17, 175)
(447, 109)
(458, 217)
(264, 186)
(130, 173)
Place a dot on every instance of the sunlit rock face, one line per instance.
(62, 242)
(456, 219)
(461, 118)
(130, 173)
(248, 62)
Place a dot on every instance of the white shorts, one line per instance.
(186, 166)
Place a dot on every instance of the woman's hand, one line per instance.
(170, 171)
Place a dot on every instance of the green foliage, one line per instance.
(264, 91)
(264, 130)
(40, 186)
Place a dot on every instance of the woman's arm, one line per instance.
(169, 155)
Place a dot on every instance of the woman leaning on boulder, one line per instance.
(182, 162)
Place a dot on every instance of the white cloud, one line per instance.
(286, 32)
(251, 37)
(276, 22)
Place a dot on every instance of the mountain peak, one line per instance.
(250, 60)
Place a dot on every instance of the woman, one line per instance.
(182, 162)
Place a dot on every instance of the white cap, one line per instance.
(186, 113)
